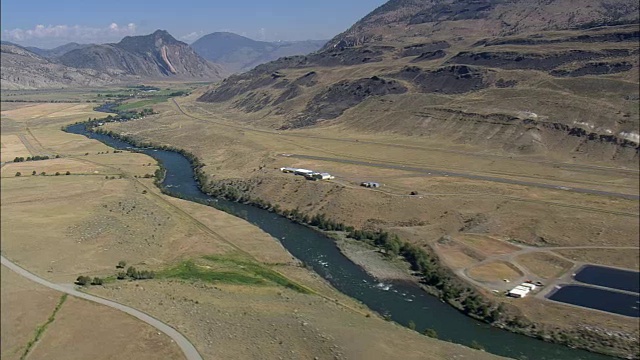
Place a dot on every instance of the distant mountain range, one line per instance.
(157, 55)
(153, 56)
(57, 51)
(238, 53)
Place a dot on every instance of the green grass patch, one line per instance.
(229, 270)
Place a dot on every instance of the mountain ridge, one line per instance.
(157, 55)
(461, 60)
(238, 53)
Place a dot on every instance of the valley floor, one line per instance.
(494, 230)
(106, 210)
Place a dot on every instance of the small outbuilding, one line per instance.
(370, 184)
(519, 291)
(322, 176)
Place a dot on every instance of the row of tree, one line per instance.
(33, 158)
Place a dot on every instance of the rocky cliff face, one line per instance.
(22, 69)
(157, 55)
(469, 64)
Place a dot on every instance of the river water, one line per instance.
(402, 302)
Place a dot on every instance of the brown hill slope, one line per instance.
(22, 69)
(157, 55)
(560, 76)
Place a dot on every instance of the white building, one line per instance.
(529, 286)
(519, 291)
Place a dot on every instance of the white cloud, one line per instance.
(190, 37)
(78, 33)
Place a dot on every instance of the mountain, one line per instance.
(22, 69)
(556, 77)
(238, 53)
(155, 56)
(57, 51)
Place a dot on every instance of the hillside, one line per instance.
(238, 53)
(57, 51)
(22, 69)
(157, 55)
(551, 78)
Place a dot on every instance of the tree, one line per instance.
(18, 173)
(68, 173)
(121, 264)
(57, 173)
(43, 173)
(83, 280)
(97, 281)
(431, 333)
(33, 173)
(412, 325)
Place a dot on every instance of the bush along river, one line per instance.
(402, 302)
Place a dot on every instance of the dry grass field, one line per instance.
(624, 258)
(26, 305)
(494, 272)
(12, 147)
(118, 335)
(545, 265)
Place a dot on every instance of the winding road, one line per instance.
(187, 348)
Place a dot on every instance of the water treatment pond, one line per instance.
(402, 302)
(608, 277)
(599, 299)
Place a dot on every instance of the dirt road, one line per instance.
(466, 176)
(187, 348)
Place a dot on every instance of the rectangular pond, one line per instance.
(599, 299)
(625, 280)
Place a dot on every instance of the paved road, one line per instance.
(466, 176)
(187, 348)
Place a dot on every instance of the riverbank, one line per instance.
(371, 260)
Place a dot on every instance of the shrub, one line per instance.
(121, 275)
(43, 173)
(68, 173)
(57, 173)
(33, 173)
(18, 173)
(83, 280)
(97, 281)
(121, 264)
(412, 325)
(431, 333)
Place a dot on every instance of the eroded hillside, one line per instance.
(533, 80)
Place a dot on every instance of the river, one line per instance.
(402, 302)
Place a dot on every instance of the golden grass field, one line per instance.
(494, 271)
(12, 147)
(26, 305)
(545, 265)
(60, 227)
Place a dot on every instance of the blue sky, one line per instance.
(49, 23)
